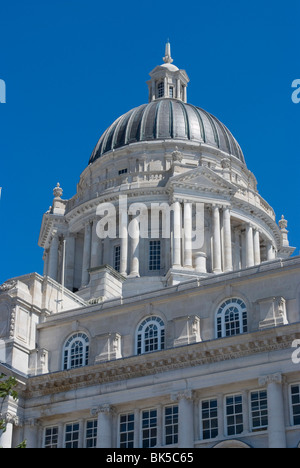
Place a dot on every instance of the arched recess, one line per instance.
(234, 443)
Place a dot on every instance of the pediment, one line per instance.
(202, 179)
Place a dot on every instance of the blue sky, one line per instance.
(71, 67)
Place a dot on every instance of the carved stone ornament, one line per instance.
(7, 286)
(177, 155)
(57, 191)
(225, 163)
(283, 223)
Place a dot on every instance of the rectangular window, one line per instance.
(209, 415)
(154, 255)
(234, 415)
(171, 425)
(117, 258)
(127, 430)
(171, 91)
(72, 435)
(123, 171)
(295, 401)
(149, 428)
(51, 437)
(259, 410)
(91, 433)
(161, 90)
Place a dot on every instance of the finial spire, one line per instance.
(167, 58)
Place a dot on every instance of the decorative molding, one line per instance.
(198, 354)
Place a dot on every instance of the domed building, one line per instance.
(168, 312)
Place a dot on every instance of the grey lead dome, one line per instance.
(165, 119)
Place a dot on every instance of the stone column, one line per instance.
(135, 247)
(186, 418)
(176, 235)
(46, 262)
(105, 423)
(153, 90)
(86, 262)
(227, 239)
(96, 244)
(257, 260)
(200, 262)
(53, 257)
(217, 260)
(276, 422)
(166, 87)
(270, 251)
(249, 246)
(7, 435)
(123, 234)
(70, 261)
(178, 89)
(237, 249)
(188, 261)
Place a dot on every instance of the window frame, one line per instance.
(125, 444)
(55, 444)
(94, 430)
(154, 255)
(210, 419)
(292, 416)
(71, 442)
(226, 415)
(141, 342)
(160, 90)
(221, 328)
(117, 257)
(155, 427)
(171, 92)
(67, 348)
(251, 416)
(175, 433)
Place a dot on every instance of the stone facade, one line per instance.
(169, 305)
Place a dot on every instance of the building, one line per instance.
(169, 309)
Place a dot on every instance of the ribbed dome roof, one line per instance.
(165, 119)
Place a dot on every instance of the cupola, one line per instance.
(167, 81)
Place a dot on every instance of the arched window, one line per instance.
(232, 318)
(76, 351)
(151, 335)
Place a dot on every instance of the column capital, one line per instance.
(216, 206)
(182, 395)
(103, 409)
(11, 418)
(271, 378)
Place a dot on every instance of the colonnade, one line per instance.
(218, 249)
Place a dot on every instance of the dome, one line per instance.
(165, 119)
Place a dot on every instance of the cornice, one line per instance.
(199, 354)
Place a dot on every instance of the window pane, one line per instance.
(127, 430)
(295, 399)
(234, 415)
(209, 416)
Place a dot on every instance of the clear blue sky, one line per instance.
(71, 67)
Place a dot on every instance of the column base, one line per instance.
(134, 274)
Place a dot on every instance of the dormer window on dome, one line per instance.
(167, 81)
